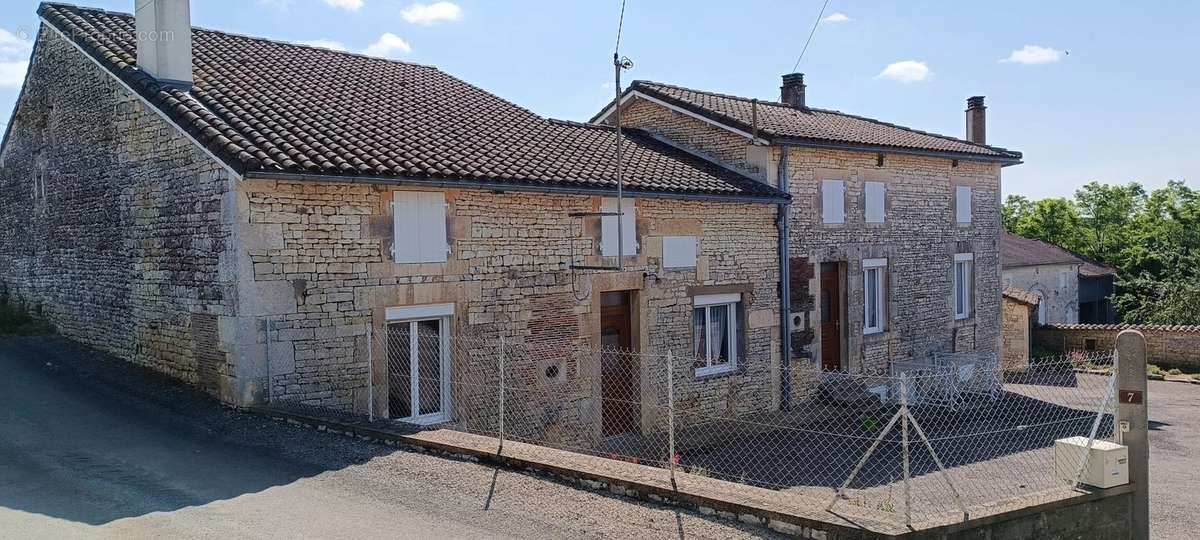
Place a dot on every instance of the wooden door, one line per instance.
(619, 368)
(831, 317)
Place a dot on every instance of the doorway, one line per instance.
(619, 369)
(832, 301)
(418, 370)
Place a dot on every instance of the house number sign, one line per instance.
(1131, 397)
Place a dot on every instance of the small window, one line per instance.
(419, 227)
(833, 201)
(608, 228)
(964, 279)
(876, 193)
(962, 204)
(874, 295)
(679, 252)
(715, 333)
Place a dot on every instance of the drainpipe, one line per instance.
(785, 292)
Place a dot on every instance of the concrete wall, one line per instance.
(114, 222)
(1166, 346)
(1018, 324)
(508, 275)
(919, 238)
(1057, 284)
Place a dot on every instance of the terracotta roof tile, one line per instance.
(269, 106)
(779, 120)
(1017, 251)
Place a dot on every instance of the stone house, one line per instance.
(1019, 310)
(242, 213)
(1072, 288)
(892, 234)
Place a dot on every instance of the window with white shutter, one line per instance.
(419, 227)
(876, 193)
(962, 204)
(964, 280)
(833, 201)
(608, 228)
(874, 295)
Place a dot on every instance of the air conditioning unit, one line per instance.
(1107, 462)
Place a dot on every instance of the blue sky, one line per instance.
(1105, 91)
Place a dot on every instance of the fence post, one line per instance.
(501, 449)
(370, 372)
(671, 413)
(1132, 424)
(267, 351)
(904, 447)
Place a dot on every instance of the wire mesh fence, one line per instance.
(930, 438)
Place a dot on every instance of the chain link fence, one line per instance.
(929, 439)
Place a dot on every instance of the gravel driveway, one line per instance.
(1174, 460)
(90, 447)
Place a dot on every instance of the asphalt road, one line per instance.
(90, 447)
(1174, 460)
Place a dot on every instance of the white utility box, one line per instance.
(1107, 464)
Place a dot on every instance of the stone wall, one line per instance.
(1056, 284)
(508, 274)
(1018, 322)
(1166, 346)
(919, 238)
(110, 220)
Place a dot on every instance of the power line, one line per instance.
(810, 35)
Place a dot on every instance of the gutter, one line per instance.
(785, 289)
(494, 185)
(1004, 161)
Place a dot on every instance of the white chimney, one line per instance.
(164, 40)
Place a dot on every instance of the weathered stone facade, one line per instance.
(1056, 284)
(1018, 326)
(111, 221)
(919, 236)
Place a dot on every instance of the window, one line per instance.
(833, 201)
(418, 363)
(608, 228)
(964, 278)
(962, 204)
(876, 193)
(874, 295)
(679, 251)
(419, 227)
(715, 332)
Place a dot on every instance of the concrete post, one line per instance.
(1132, 424)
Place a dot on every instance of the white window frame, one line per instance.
(833, 201)
(877, 267)
(419, 227)
(962, 205)
(608, 227)
(412, 315)
(963, 285)
(875, 202)
(731, 301)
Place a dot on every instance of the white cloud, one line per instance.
(836, 18)
(11, 43)
(427, 14)
(349, 5)
(1034, 54)
(905, 71)
(388, 45)
(325, 44)
(12, 74)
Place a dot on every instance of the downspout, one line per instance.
(785, 289)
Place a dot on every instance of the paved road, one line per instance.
(1174, 460)
(94, 448)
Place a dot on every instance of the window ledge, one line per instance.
(716, 372)
(877, 335)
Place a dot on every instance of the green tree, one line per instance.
(1051, 220)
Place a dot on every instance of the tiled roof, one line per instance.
(268, 106)
(785, 122)
(1022, 295)
(1017, 251)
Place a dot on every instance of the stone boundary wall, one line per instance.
(1167, 346)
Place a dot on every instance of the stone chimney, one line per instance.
(164, 40)
(976, 120)
(792, 91)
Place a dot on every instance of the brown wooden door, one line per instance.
(618, 366)
(831, 317)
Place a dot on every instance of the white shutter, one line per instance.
(876, 192)
(962, 204)
(679, 251)
(608, 227)
(833, 201)
(419, 229)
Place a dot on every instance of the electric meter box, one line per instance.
(1107, 463)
